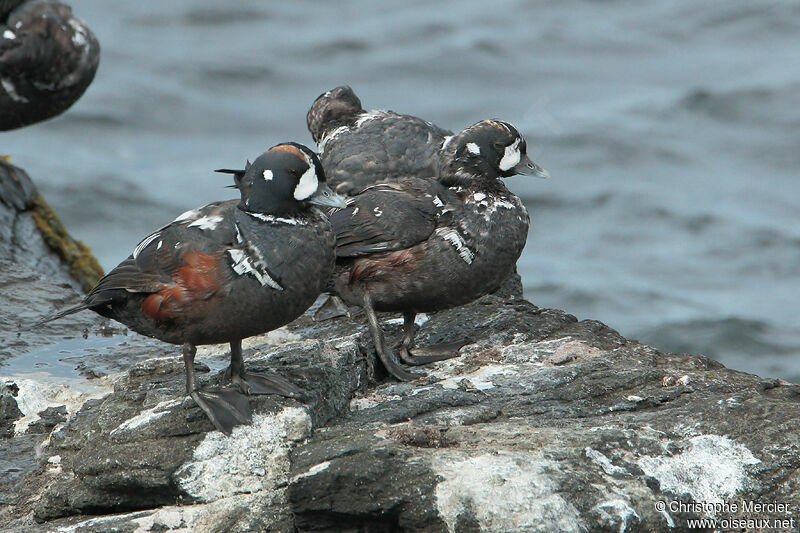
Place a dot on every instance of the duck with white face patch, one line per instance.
(230, 270)
(421, 245)
(490, 147)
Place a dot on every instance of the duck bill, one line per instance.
(527, 167)
(325, 197)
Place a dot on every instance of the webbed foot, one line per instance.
(267, 384)
(430, 354)
(226, 408)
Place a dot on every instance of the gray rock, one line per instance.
(48, 419)
(545, 423)
(9, 410)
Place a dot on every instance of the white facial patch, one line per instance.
(511, 157)
(308, 183)
(267, 175)
(207, 222)
(474, 148)
(8, 34)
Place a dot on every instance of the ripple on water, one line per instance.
(773, 107)
(742, 344)
(208, 16)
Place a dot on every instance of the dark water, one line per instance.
(671, 129)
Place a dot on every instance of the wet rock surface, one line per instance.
(544, 423)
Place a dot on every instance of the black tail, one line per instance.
(238, 175)
(60, 314)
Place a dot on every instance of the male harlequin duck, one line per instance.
(228, 271)
(359, 148)
(47, 60)
(421, 245)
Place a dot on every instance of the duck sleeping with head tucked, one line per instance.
(359, 147)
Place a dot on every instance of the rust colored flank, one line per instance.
(367, 268)
(197, 279)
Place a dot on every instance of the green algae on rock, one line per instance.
(83, 265)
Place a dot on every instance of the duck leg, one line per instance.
(423, 356)
(226, 408)
(259, 383)
(384, 352)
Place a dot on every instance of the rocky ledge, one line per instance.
(544, 423)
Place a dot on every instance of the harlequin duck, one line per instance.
(358, 148)
(228, 271)
(420, 245)
(47, 60)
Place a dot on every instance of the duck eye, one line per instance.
(499, 146)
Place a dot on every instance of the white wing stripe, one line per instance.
(242, 265)
(275, 219)
(142, 245)
(207, 222)
(186, 215)
(370, 115)
(457, 241)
